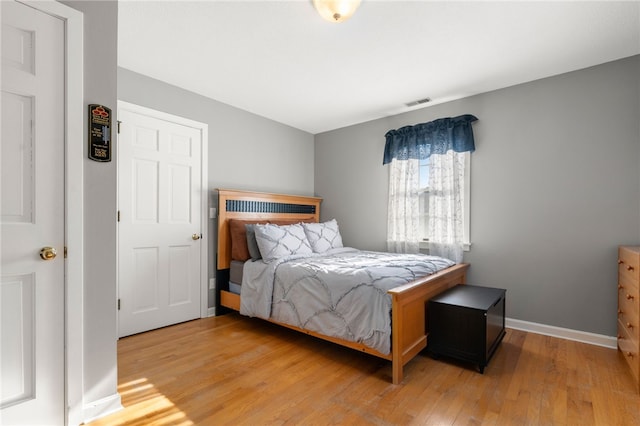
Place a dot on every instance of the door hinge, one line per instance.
(118, 215)
(118, 304)
(119, 126)
(65, 252)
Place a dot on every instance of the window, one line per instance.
(424, 201)
(445, 142)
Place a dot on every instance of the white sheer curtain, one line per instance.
(446, 205)
(403, 224)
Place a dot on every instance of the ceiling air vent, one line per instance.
(418, 102)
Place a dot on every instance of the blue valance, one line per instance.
(435, 137)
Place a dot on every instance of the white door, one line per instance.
(160, 212)
(32, 211)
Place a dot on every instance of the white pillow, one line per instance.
(278, 241)
(323, 236)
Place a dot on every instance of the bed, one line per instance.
(408, 328)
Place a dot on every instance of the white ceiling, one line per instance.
(280, 60)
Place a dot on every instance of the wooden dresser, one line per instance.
(629, 308)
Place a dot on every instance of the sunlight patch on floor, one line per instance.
(144, 404)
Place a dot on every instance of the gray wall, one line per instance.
(246, 151)
(555, 188)
(100, 83)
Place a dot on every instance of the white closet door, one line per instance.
(159, 192)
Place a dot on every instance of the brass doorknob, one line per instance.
(48, 253)
(195, 237)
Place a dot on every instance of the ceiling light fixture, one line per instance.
(336, 10)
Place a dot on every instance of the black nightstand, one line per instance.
(467, 322)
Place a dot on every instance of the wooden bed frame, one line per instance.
(409, 301)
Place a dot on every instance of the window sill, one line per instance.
(424, 245)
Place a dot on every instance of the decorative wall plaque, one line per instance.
(99, 133)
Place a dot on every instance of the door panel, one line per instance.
(145, 292)
(179, 194)
(159, 193)
(179, 271)
(32, 217)
(18, 338)
(17, 51)
(17, 168)
(145, 191)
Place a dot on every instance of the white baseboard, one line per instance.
(563, 333)
(211, 312)
(102, 407)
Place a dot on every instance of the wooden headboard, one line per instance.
(246, 205)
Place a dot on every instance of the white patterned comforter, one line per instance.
(342, 293)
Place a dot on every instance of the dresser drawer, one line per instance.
(628, 306)
(629, 264)
(629, 322)
(630, 349)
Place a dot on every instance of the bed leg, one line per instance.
(396, 334)
(396, 371)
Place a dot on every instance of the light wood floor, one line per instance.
(241, 371)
